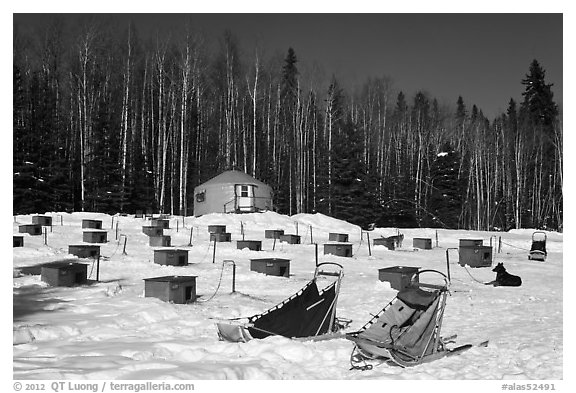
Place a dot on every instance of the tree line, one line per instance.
(106, 121)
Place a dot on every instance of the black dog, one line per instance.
(505, 279)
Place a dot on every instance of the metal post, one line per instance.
(190, 242)
(296, 222)
(125, 241)
(112, 224)
(116, 230)
(448, 261)
(316, 252)
(45, 237)
(499, 244)
(214, 253)
(368, 239)
(233, 277)
(274, 244)
(61, 220)
(436, 239)
(242, 229)
(177, 225)
(98, 269)
(311, 241)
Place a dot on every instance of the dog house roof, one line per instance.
(178, 279)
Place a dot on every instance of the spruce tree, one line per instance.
(446, 198)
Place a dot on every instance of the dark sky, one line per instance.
(482, 57)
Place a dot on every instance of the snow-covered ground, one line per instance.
(109, 330)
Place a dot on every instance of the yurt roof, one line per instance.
(233, 177)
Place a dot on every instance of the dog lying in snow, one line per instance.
(505, 279)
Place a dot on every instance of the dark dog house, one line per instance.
(45, 221)
(159, 241)
(95, 236)
(290, 239)
(221, 237)
(84, 250)
(271, 266)
(273, 233)
(217, 228)
(31, 229)
(171, 256)
(338, 237)
(388, 243)
(64, 273)
(92, 224)
(470, 242)
(422, 242)
(152, 230)
(17, 241)
(254, 245)
(399, 277)
(338, 249)
(175, 289)
(160, 222)
(477, 256)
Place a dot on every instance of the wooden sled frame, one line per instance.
(435, 348)
(237, 331)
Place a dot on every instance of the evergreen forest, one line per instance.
(106, 121)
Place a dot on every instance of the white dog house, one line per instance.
(232, 192)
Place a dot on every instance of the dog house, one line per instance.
(17, 241)
(159, 241)
(254, 245)
(290, 239)
(399, 277)
(338, 237)
(171, 256)
(338, 249)
(271, 266)
(95, 236)
(273, 233)
(475, 256)
(84, 250)
(175, 289)
(221, 237)
(216, 228)
(31, 229)
(382, 241)
(470, 242)
(92, 224)
(422, 242)
(45, 221)
(152, 230)
(160, 222)
(64, 273)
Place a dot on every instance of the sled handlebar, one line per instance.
(434, 286)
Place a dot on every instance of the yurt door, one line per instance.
(245, 197)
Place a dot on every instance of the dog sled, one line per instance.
(406, 331)
(538, 248)
(308, 314)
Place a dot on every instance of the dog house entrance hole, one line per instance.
(189, 292)
(182, 261)
(283, 270)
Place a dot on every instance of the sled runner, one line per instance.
(310, 313)
(538, 249)
(407, 330)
